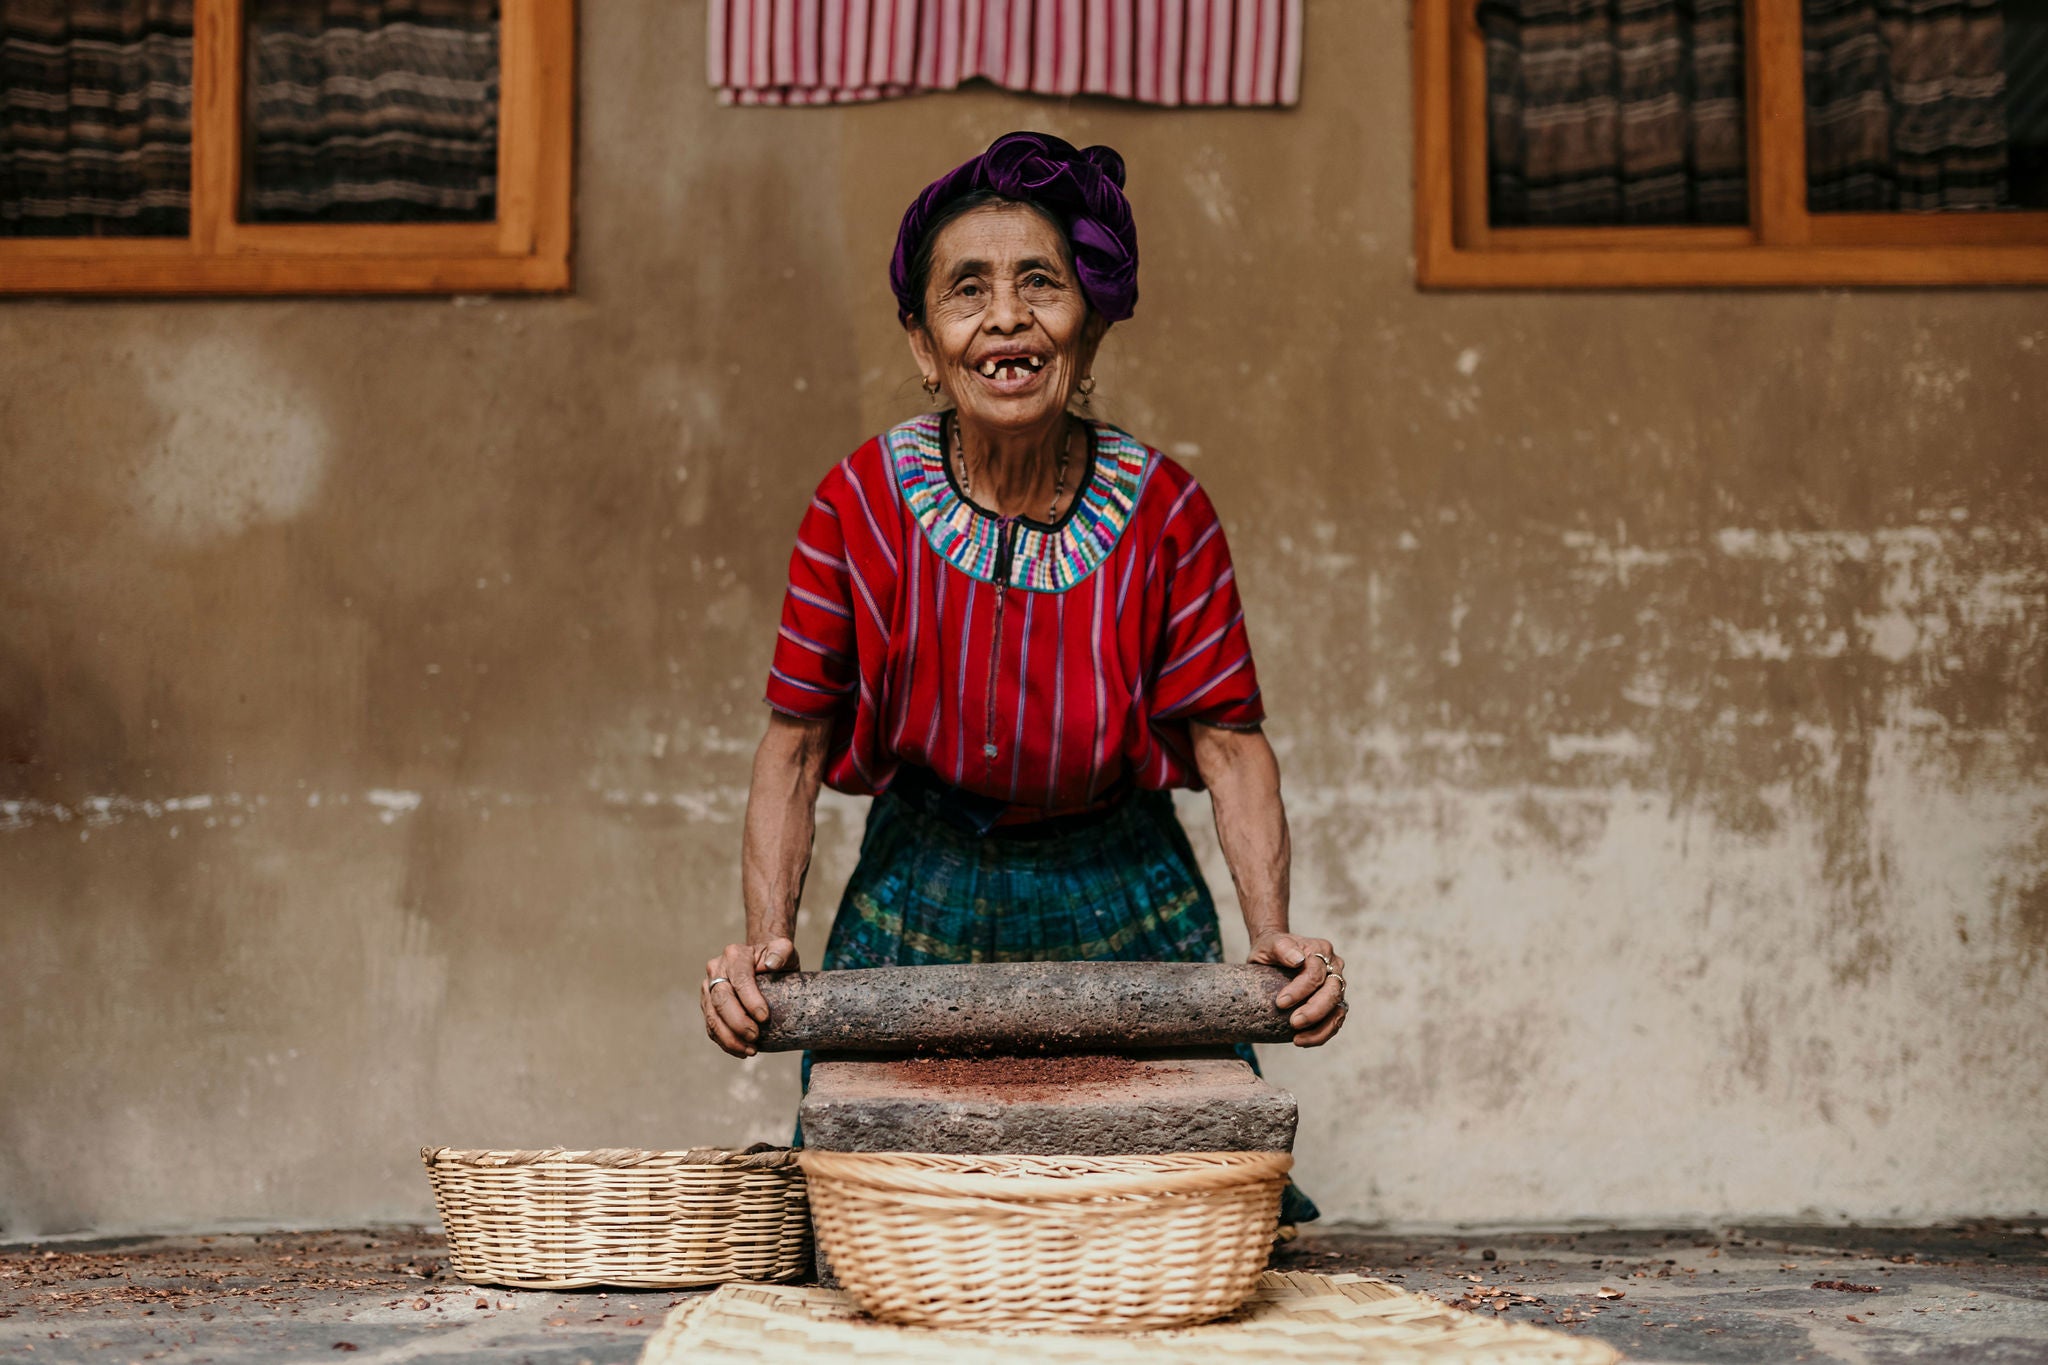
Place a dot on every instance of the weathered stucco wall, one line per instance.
(1659, 680)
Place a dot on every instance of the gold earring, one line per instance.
(1087, 388)
(931, 389)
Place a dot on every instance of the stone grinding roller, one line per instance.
(1017, 1007)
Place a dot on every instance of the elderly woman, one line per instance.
(1017, 628)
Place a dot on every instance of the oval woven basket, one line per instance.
(558, 1219)
(1059, 1243)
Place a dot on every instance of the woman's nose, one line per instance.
(1008, 311)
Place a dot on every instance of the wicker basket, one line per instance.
(1047, 1242)
(563, 1220)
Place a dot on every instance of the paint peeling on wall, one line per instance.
(241, 441)
(388, 806)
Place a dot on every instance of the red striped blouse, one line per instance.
(1039, 664)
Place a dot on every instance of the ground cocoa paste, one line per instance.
(1026, 1078)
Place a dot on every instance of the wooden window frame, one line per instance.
(1783, 245)
(525, 250)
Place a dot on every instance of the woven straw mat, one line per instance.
(1296, 1318)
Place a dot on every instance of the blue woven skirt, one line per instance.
(1117, 886)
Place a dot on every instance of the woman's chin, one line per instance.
(1011, 412)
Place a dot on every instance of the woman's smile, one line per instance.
(1009, 374)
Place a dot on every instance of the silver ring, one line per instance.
(718, 981)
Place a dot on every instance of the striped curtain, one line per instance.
(95, 118)
(372, 111)
(1615, 111)
(1172, 52)
(1905, 105)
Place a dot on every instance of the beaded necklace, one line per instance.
(1059, 486)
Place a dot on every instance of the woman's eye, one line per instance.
(968, 290)
(1041, 281)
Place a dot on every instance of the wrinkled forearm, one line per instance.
(782, 801)
(1243, 778)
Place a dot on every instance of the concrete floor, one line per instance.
(1976, 1293)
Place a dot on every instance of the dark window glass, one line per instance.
(95, 118)
(1926, 105)
(1604, 112)
(367, 112)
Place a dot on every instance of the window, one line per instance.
(285, 146)
(1615, 143)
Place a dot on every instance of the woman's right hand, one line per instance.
(734, 1008)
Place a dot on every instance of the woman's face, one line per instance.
(1007, 332)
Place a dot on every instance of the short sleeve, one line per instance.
(814, 675)
(1205, 671)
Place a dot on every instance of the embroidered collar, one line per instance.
(1047, 557)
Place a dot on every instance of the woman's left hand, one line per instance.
(1316, 995)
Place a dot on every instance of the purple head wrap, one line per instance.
(1083, 190)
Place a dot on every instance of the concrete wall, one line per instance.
(1659, 681)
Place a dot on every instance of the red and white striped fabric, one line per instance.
(1175, 52)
